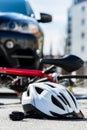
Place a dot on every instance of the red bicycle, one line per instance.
(18, 79)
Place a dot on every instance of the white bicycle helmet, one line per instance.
(47, 99)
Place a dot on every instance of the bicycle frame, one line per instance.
(25, 72)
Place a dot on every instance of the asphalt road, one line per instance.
(11, 103)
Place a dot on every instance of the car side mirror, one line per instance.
(45, 18)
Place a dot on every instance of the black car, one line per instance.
(21, 37)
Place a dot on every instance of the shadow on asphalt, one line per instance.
(84, 119)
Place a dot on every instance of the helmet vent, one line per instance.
(65, 100)
(28, 92)
(57, 103)
(50, 85)
(38, 90)
(72, 98)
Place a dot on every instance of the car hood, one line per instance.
(17, 17)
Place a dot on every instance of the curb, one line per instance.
(5, 92)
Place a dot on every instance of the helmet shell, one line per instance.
(50, 99)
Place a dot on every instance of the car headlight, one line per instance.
(33, 28)
(24, 27)
(8, 25)
(11, 25)
(30, 28)
(20, 27)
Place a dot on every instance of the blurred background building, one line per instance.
(76, 42)
(77, 29)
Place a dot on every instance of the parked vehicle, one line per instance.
(21, 36)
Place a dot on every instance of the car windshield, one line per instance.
(18, 6)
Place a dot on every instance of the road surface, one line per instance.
(11, 103)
